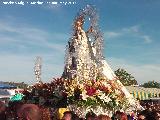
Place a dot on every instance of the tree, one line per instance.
(151, 84)
(125, 78)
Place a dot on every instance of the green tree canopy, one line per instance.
(125, 78)
(151, 84)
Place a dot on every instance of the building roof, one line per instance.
(142, 89)
(6, 86)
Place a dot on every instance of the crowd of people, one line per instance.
(17, 110)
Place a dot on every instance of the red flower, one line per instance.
(103, 88)
(90, 91)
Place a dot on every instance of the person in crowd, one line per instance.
(81, 118)
(103, 117)
(91, 116)
(147, 115)
(119, 116)
(123, 116)
(68, 115)
(130, 117)
(141, 117)
(157, 115)
(46, 115)
(2, 111)
(29, 112)
(13, 106)
(75, 117)
(154, 115)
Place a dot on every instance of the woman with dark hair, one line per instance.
(29, 112)
(120, 116)
(2, 111)
(91, 116)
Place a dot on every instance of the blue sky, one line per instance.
(130, 27)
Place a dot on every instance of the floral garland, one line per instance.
(92, 93)
(89, 95)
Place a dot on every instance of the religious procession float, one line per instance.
(87, 83)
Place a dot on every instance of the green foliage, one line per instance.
(151, 84)
(125, 78)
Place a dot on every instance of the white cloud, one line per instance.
(110, 34)
(20, 68)
(142, 73)
(21, 35)
(135, 29)
(137, 32)
(53, 7)
(147, 39)
(130, 31)
(20, 31)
